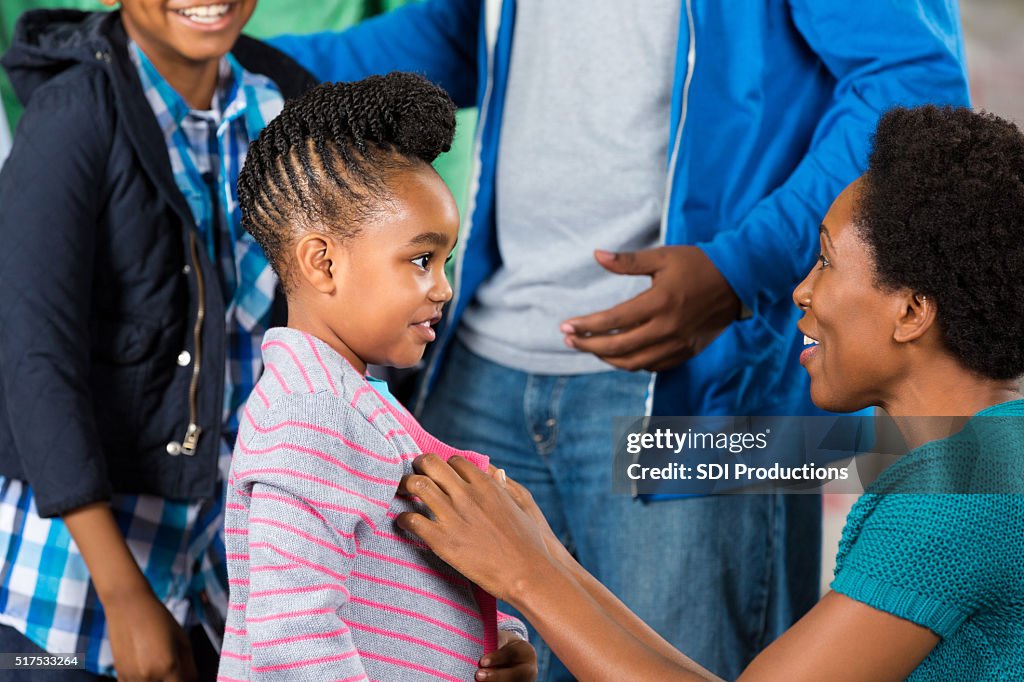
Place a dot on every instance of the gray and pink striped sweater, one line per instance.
(324, 585)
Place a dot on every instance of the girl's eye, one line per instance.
(423, 261)
(825, 262)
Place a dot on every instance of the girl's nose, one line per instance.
(442, 290)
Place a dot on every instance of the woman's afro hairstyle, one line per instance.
(325, 161)
(942, 210)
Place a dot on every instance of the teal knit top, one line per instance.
(938, 540)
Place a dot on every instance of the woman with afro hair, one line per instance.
(916, 306)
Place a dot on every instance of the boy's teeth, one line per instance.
(205, 14)
(808, 341)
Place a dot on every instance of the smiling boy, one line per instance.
(132, 317)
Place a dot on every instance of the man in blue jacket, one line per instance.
(698, 143)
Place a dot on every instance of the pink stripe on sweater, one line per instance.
(394, 432)
(416, 567)
(295, 359)
(235, 631)
(416, 590)
(242, 447)
(418, 616)
(310, 508)
(301, 533)
(321, 430)
(237, 657)
(298, 590)
(316, 353)
(358, 394)
(376, 413)
(297, 559)
(225, 678)
(280, 379)
(301, 664)
(275, 567)
(303, 506)
(295, 473)
(288, 614)
(263, 396)
(298, 638)
(411, 666)
(398, 538)
(411, 640)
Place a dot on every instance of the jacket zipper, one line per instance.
(188, 445)
(691, 59)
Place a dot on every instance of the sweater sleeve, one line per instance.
(934, 560)
(318, 476)
(52, 193)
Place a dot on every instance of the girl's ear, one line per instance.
(315, 255)
(917, 316)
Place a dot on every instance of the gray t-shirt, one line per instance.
(582, 166)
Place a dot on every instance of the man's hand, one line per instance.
(688, 305)
(147, 643)
(514, 661)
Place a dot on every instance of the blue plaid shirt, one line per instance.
(45, 590)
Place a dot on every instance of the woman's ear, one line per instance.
(917, 316)
(315, 255)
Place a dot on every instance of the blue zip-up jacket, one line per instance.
(773, 106)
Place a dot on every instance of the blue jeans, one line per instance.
(718, 577)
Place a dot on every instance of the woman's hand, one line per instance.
(514, 661)
(524, 500)
(147, 643)
(478, 526)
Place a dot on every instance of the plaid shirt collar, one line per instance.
(171, 108)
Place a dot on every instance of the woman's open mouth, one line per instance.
(811, 348)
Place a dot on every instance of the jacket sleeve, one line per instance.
(51, 191)
(881, 55)
(312, 494)
(437, 38)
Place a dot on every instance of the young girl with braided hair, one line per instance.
(339, 192)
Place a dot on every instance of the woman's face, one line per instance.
(851, 356)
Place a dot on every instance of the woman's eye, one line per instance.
(422, 261)
(825, 262)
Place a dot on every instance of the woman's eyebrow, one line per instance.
(439, 239)
(824, 230)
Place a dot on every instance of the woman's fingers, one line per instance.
(440, 472)
(468, 471)
(428, 492)
(420, 526)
